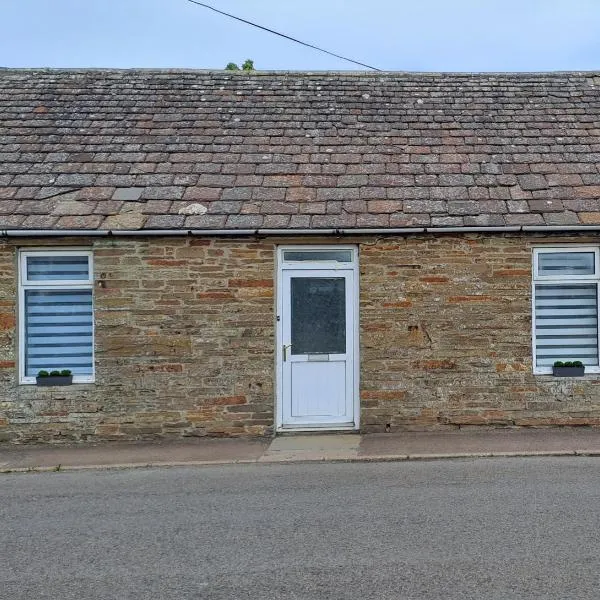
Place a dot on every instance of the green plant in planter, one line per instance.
(63, 373)
(568, 363)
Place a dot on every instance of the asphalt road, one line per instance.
(487, 528)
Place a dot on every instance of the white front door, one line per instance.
(317, 338)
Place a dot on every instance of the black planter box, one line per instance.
(54, 380)
(568, 371)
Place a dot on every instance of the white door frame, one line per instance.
(281, 265)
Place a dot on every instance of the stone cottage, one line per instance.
(221, 254)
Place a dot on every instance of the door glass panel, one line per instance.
(344, 256)
(318, 315)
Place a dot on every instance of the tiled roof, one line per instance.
(108, 149)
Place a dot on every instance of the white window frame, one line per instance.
(562, 280)
(25, 284)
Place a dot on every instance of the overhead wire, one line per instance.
(283, 35)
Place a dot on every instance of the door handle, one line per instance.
(284, 349)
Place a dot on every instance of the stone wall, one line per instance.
(446, 337)
(184, 344)
(185, 339)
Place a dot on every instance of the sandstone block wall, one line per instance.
(185, 340)
(446, 337)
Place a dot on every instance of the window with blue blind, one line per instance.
(565, 307)
(57, 316)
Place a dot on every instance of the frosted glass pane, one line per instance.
(318, 315)
(566, 324)
(566, 263)
(58, 268)
(344, 256)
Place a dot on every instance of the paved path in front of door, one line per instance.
(313, 447)
(304, 448)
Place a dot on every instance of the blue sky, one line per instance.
(399, 35)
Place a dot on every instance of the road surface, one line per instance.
(487, 528)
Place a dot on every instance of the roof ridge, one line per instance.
(301, 73)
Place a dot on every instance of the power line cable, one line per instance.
(287, 37)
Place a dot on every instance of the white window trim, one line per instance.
(543, 279)
(25, 284)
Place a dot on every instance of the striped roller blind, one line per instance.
(58, 331)
(552, 264)
(57, 268)
(566, 323)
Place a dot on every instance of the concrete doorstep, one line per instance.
(303, 448)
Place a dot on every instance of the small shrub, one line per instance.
(54, 373)
(568, 363)
(247, 65)
(43, 373)
(66, 373)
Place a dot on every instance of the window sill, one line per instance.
(588, 371)
(78, 381)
